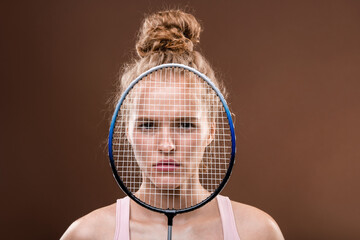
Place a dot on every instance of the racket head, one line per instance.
(127, 170)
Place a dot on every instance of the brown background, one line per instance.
(293, 72)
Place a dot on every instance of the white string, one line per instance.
(168, 116)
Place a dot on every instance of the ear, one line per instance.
(128, 134)
(129, 129)
(212, 131)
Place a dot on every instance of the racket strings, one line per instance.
(172, 115)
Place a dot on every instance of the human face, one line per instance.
(169, 131)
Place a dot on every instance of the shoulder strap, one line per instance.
(227, 218)
(122, 219)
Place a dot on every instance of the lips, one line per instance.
(167, 165)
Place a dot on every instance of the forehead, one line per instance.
(175, 96)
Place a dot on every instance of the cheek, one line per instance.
(193, 145)
(141, 140)
(142, 145)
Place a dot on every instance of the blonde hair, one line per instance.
(167, 37)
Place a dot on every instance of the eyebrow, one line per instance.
(145, 119)
(177, 119)
(186, 119)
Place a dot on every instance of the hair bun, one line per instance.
(172, 30)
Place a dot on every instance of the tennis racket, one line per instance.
(172, 140)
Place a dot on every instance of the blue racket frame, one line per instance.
(171, 212)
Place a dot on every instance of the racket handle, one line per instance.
(170, 217)
(169, 232)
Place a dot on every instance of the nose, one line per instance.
(166, 143)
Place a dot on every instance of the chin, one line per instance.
(166, 184)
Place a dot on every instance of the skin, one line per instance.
(163, 129)
(203, 223)
(183, 140)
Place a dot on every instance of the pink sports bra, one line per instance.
(227, 218)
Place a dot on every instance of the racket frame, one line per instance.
(170, 213)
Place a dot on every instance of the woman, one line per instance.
(169, 149)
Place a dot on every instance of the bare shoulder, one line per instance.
(252, 223)
(99, 224)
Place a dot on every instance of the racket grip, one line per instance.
(170, 217)
(169, 232)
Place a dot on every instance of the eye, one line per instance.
(148, 125)
(187, 125)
